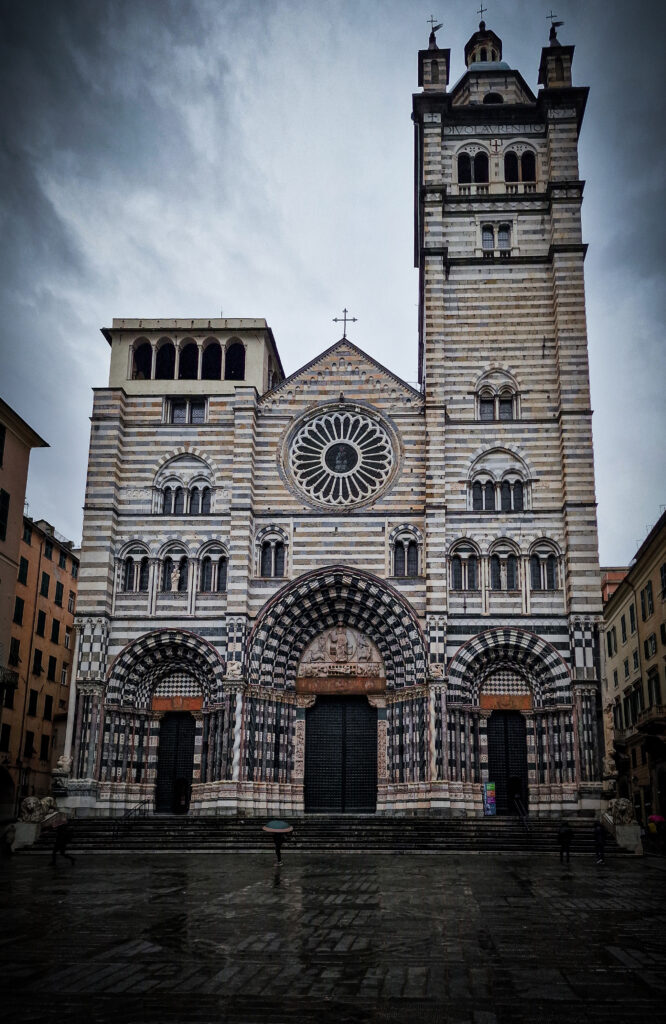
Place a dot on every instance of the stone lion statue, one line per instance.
(621, 811)
(35, 810)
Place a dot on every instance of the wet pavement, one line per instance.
(351, 938)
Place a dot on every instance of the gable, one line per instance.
(344, 368)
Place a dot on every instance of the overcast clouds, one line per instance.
(165, 158)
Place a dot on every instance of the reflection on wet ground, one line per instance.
(347, 938)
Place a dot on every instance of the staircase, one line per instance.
(342, 833)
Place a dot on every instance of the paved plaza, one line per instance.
(348, 938)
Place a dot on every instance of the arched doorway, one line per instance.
(339, 668)
(507, 760)
(341, 756)
(175, 763)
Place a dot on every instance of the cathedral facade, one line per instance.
(333, 592)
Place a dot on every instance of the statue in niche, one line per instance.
(175, 577)
(341, 647)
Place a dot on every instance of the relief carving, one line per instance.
(341, 651)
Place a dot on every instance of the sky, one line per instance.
(198, 158)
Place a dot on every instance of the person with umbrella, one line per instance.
(278, 829)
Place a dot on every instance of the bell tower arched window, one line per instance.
(234, 363)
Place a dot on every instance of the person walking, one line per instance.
(278, 839)
(63, 834)
(599, 841)
(564, 837)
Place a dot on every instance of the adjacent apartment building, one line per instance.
(32, 732)
(17, 439)
(634, 677)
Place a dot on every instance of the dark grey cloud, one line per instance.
(182, 157)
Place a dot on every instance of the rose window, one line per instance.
(341, 458)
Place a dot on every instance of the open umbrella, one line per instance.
(276, 826)
(656, 817)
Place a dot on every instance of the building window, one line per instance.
(616, 681)
(626, 668)
(501, 232)
(44, 748)
(70, 602)
(32, 703)
(165, 360)
(544, 572)
(623, 629)
(14, 651)
(497, 406)
(503, 572)
(62, 560)
(142, 360)
(59, 592)
(650, 646)
(3, 432)
(44, 588)
(48, 707)
(29, 744)
(611, 645)
(662, 576)
(18, 611)
(75, 569)
(27, 533)
(5, 733)
(40, 628)
(183, 411)
(4, 514)
(68, 638)
(234, 362)
(464, 570)
(188, 361)
(51, 672)
(213, 578)
(63, 675)
(211, 360)
(135, 573)
(647, 604)
(405, 555)
(174, 573)
(48, 548)
(635, 657)
(632, 618)
(654, 689)
(519, 170)
(272, 562)
(23, 570)
(55, 631)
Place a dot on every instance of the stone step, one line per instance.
(335, 833)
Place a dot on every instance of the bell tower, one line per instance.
(503, 346)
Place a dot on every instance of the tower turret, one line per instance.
(434, 64)
(556, 60)
(483, 47)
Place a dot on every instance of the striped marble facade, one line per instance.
(504, 607)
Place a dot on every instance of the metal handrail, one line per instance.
(522, 812)
(136, 811)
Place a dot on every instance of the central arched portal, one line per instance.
(507, 760)
(339, 669)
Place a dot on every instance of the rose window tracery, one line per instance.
(341, 458)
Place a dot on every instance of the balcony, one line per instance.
(652, 719)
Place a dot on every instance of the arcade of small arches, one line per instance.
(187, 359)
(473, 166)
(504, 567)
(174, 570)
